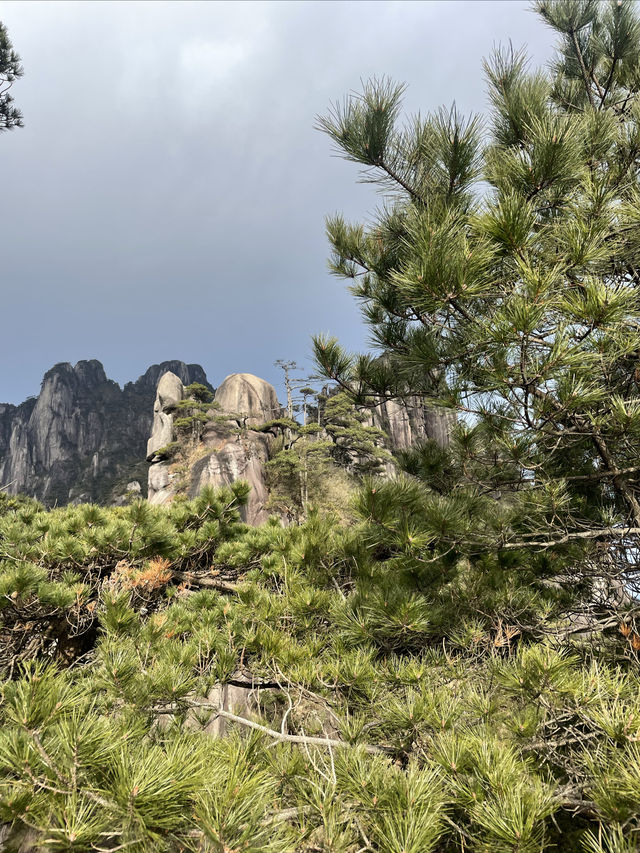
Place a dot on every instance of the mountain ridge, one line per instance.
(83, 435)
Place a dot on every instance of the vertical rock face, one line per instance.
(170, 392)
(249, 401)
(83, 434)
(231, 449)
(161, 488)
(406, 422)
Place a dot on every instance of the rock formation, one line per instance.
(230, 450)
(249, 396)
(83, 438)
(408, 421)
(170, 392)
(161, 487)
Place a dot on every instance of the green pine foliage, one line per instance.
(357, 447)
(388, 712)
(198, 392)
(193, 412)
(313, 464)
(299, 471)
(56, 565)
(500, 280)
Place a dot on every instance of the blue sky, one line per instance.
(166, 197)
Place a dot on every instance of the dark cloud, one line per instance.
(166, 197)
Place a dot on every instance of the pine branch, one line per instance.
(415, 196)
(585, 76)
(208, 583)
(601, 475)
(600, 533)
(329, 743)
(85, 792)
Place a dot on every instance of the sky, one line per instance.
(166, 198)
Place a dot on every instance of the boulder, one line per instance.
(234, 698)
(133, 491)
(169, 393)
(238, 452)
(231, 450)
(252, 398)
(160, 483)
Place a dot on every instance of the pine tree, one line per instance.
(318, 466)
(10, 71)
(357, 447)
(501, 279)
(193, 412)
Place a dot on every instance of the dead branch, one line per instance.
(208, 583)
(329, 743)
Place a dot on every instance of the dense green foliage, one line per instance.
(500, 279)
(354, 445)
(317, 464)
(191, 413)
(56, 564)
(443, 729)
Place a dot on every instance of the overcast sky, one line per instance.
(166, 197)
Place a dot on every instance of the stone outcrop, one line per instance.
(170, 392)
(161, 484)
(83, 438)
(408, 421)
(250, 397)
(230, 450)
(237, 698)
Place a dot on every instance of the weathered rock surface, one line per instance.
(170, 392)
(231, 449)
(83, 437)
(241, 697)
(239, 458)
(254, 399)
(19, 839)
(406, 422)
(238, 699)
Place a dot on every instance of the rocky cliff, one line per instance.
(228, 449)
(84, 437)
(408, 421)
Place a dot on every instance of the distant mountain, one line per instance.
(83, 438)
